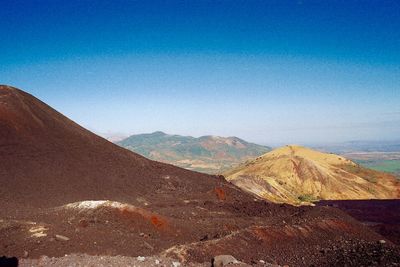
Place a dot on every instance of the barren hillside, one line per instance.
(294, 174)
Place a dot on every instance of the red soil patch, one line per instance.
(330, 224)
(158, 222)
(280, 234)
(220, 193)
(133, 213)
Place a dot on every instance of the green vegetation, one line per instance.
(307, 198)
(210, 154)
(391, 166)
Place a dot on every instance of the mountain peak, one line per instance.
(25, 119)
(296, 151)
(293, 149)
(158, 133)
(10, 95)
(4, 87)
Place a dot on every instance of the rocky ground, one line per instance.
(353, 254)
(75, 260)
(191, 234)
(382, 216)
(80, 260)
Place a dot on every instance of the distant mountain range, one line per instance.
(361, 146)
(209, 154)
(295, 175)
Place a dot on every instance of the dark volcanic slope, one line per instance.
(383, 216)
(48, 160)
(49, 165)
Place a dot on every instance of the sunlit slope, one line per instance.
(295, 174)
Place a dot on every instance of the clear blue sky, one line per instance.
(267, 71)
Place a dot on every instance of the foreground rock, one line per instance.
(103, 261)
(224, 260)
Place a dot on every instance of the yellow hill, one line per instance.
(297, 175)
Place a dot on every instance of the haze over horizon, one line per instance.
(276, 72)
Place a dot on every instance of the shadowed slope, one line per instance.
(295, 174)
